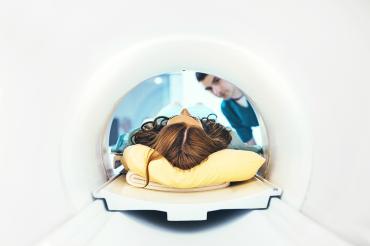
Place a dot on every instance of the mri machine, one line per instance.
(65, 66)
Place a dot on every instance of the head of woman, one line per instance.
(183, 140)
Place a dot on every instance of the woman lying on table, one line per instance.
(184, 140)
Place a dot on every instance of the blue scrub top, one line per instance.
(242, 119)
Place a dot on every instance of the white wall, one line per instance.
(50, 49)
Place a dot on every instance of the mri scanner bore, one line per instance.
(167, 95)
(178, 138)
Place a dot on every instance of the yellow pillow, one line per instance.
(226, 165)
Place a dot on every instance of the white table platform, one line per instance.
(252, 194)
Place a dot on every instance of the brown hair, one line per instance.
(182, 145)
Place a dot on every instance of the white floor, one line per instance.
(278, 225)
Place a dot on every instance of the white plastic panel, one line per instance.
(84, 145)
(252, 194)
(321, 48)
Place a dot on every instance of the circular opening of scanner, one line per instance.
(202, 94)
(290, 144)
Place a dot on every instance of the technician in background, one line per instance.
(234, 106)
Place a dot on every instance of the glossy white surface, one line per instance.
(82, 146)
(278, 225)
(52, 51)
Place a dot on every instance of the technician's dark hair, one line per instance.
(200, 76)
(182, 145)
